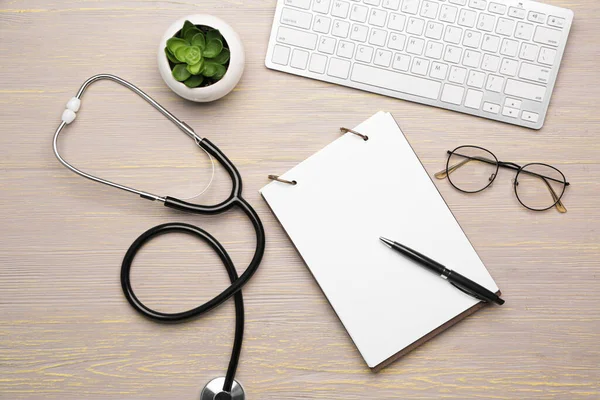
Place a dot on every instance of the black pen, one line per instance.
(457, 280)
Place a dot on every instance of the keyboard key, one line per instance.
(299, 59)
(490, 63)
(339, 68)
(345, 49)
(359, 32)
(490, 43)
(536, 17)
(326, 45)
(396, 22)
(514, 103)
(478, 4)
(391, 4)
(473, 99)
(340, 28)
(472, 39)
(322, 24)
(530, 116)
(476, 79)
(547, 56)
(378, 37)
(281, 55)
(459, 2)
(547, 36)
(438, 70)
(494, 83)
(516, 12)
(525, 90)
(377, 17)
(298, 3)
(401, 62)
(415, 26)
(420, 66)
(372, 2)
(472, 58)
(296, 38)
(467, 18)
(359, 13)
(453, 94)
(491, 108)
(528, 52)
(383, 58)
(433, 30)
(296, 18)
(509, 47)
(509, 66)
(497, 8)
(317, 63)
(556, 22)
(364, 53)
(457, 74)
(321, 6)
(453, 54)
(340, 9)
(396, 81)
(505, 26)
(453, 34)
(510, 112)
(397, 41)
(410, 6)
(415, 46)
(524, 31)
(534, 73)
(429, 9)
(448, 14)
(486, 22)
(434, 50)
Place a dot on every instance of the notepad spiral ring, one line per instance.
(346, 130)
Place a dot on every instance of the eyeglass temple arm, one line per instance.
(557, 202)
(442, 174)
(446, 171)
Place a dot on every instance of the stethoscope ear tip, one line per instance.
(214, 391)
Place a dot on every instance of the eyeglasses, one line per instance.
(537, 186)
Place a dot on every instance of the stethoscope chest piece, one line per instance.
(214, 391)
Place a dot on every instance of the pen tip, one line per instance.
(387, 242)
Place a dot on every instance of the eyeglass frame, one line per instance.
(509, 165)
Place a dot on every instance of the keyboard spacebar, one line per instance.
(398, 82)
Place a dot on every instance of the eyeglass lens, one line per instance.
(539, 186)
(471, 169)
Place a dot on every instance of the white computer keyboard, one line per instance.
(494, 59)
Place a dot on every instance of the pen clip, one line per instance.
(465, 290)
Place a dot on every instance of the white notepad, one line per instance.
(348, 195)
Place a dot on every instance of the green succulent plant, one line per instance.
(198, 55)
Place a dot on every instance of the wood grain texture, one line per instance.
(66, 331)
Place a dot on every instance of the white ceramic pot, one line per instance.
(231, 77)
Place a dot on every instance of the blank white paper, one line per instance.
(348, 195)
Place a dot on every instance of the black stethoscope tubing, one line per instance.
(235, 199)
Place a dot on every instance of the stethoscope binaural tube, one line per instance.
(219, 388)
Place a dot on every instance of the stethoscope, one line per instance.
(222, 388)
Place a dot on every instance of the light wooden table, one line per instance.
(66, 331)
